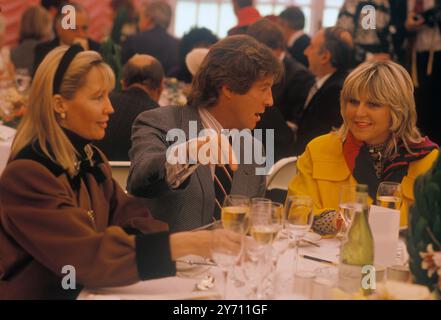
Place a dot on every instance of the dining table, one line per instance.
(319, 262)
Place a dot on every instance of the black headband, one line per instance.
(67, 58)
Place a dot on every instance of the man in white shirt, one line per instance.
(330, 55)
(292, 21)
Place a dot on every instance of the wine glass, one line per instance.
(298, 220)
(346, 207)
(226, 248)
(261, 228)
(389, 195)
(235, 212)
(255, 260)
(235, 217)
(280, 241)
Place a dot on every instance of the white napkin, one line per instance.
(385, 227)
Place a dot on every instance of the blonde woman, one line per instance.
(61, 206)
(378, 141)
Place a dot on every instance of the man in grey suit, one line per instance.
(230, 91)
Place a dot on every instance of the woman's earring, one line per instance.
(62, 115)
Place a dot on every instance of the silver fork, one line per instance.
(206, 283)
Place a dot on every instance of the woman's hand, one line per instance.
(199, 242)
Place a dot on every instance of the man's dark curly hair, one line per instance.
(236, 62)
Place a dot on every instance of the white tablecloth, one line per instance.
(183, 288)
(6, 137)
(178, 288)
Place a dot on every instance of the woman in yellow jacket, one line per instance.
(378, 141)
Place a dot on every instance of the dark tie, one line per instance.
(223, 177)
(311, 94)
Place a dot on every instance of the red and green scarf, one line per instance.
(361, 164)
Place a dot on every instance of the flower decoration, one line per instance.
(431, 261)
(424, 233)
(12, 106)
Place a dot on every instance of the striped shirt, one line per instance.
(177, 173)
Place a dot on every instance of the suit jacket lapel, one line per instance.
(327, 83)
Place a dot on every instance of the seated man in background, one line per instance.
(153, 38)
(230, 90)
(292, 21)
(289, 94)
(142, 86)
(329, 55)
(64, 36)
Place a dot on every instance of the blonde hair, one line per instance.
(41, 123)
(385, 83)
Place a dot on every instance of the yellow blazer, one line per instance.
(322, 170)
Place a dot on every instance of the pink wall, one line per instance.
(99, 12)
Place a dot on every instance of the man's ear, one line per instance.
(226, 92)
(326, 57)
(58, 103)
(161, 86)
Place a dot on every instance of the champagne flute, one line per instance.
(254, 262)
(235, 213)
(389, 195)
(261, 228)
(298, 220)
(280, 241)
(226, 248)
(346, 207)
(235, 217)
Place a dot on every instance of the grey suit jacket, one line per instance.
(192, 204)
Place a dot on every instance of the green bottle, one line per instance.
(356, 269)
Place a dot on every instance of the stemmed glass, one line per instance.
(235, 212)
(389, 195)
(346, 206)
(254, 262)
(226, 247)
(298, 220)
(280, 241)
(235, 217)
(257, 247)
